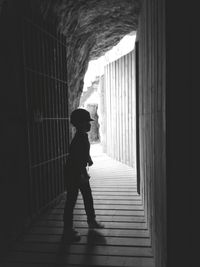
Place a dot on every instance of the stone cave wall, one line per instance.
(91, 28)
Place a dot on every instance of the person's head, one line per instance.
(80, 118)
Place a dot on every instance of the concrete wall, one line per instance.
(120, 109)
(152, 120)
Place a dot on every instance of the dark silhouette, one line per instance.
(76, 175)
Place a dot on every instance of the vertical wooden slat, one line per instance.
(120, 112)
(130, 115)
(117, 108)
(106, 105)
(118, 117)
(113, 89)
(126, 109)
(123, 109)
(111, 110)
(48, 186)
(107, 109)
(116, 112)
(129, 109)
(113, 92)
(121, 115)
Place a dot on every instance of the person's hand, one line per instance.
(90, 162)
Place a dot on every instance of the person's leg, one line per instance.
(88, 201)
(89, 206)
(72, 194)
(70, 234)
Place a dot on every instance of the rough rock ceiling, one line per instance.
(91, 27)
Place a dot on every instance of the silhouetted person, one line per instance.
(76, 176)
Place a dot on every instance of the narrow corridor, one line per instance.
(125, 241)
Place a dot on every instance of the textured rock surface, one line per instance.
(91, 27)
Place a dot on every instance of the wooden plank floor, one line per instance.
(125, 241)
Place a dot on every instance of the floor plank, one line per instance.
(104, 218)
(80, 249)
(84, 231)
(81, 259)
(108, 225)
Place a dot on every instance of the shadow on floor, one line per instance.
(94, 238)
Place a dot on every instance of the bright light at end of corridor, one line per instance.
(96, 67)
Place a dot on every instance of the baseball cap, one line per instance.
(80, 115)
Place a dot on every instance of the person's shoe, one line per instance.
(94, 224)
(71, 235)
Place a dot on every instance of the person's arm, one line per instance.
(90, 162)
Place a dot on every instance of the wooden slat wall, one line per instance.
(120, 109)
(152, 132)
(45, 72)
